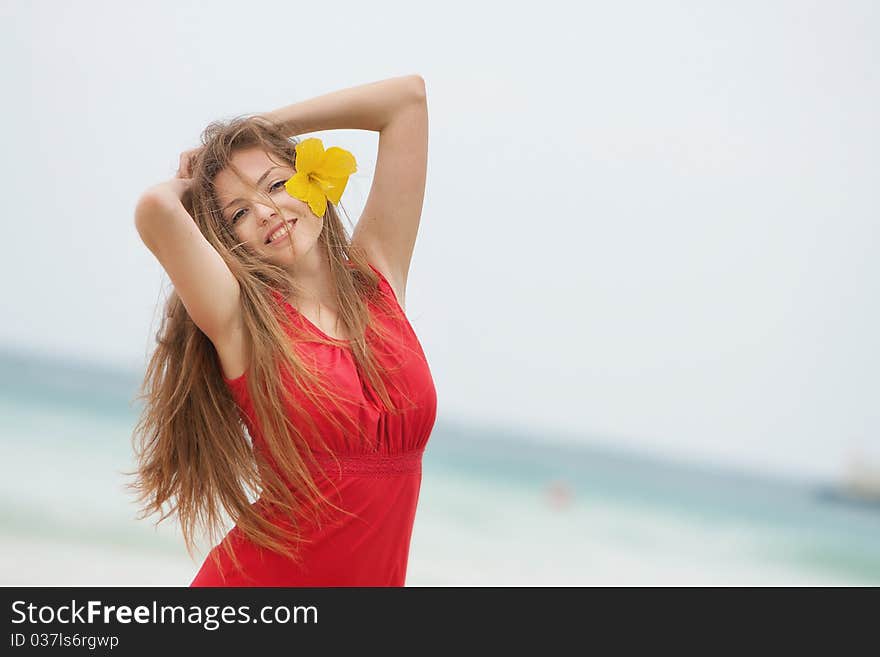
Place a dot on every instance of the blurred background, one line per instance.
(646, 278)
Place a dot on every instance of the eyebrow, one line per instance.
(259, 182)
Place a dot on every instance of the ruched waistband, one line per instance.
(371, 464)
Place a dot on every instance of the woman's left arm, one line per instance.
(397, 109)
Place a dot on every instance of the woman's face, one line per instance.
(246, 208)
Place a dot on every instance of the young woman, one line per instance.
(288, 392)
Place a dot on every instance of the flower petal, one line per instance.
(298, 186)
(332, 186)
(317, 201)
(309, 155)
(337, 163)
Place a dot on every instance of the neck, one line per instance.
(313, 277)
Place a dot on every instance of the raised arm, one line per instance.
(397, 109)
(200, 277)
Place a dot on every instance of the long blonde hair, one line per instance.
(192, 447)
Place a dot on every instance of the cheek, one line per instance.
(314, 224)
(249, 236)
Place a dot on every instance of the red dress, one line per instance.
(379, 483)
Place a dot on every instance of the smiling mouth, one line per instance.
(282, 232)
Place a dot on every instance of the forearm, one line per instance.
(169, 192)
(365, 107)
(167, 195)
(173, 188)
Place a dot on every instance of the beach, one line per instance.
(496, 508)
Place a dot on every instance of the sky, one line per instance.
(651, 226)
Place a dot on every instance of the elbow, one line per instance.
(147, 209)
(412, 87)
(418, 84)
(142, 211)
(140, 224)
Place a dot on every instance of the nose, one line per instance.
(264, 213)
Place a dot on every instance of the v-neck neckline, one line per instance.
(314, 327)
(342, 343)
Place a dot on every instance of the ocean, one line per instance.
(498, 507)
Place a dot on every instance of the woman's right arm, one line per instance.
(200, 277)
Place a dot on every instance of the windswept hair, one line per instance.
(192, 447)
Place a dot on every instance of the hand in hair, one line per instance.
(182, 181)
(184, 168)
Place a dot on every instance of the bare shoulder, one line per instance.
(395, 280)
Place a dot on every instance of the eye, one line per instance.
(272, 188)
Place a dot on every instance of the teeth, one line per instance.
(278, 233)
(281, 231)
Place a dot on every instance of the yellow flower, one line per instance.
(320, 175)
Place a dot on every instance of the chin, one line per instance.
(286, 256)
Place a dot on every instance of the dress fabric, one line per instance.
(377, 477)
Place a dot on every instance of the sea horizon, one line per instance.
(498, 505)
